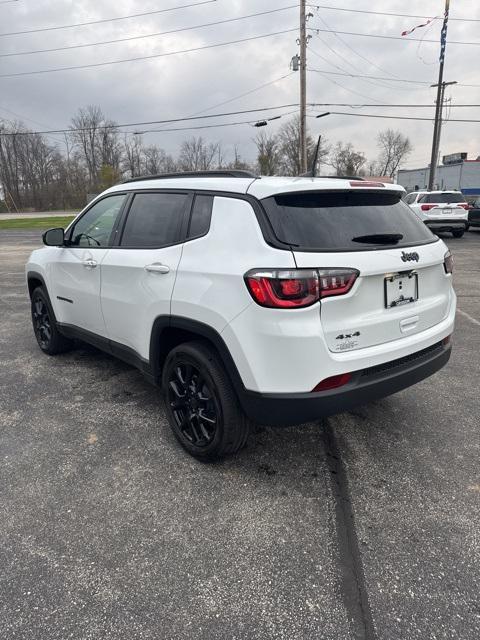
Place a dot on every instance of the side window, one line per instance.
(201, 215)
(95, 226)
(154, 220)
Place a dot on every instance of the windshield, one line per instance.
(442, 198)
(336, 220)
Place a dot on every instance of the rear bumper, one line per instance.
(366, 385)
(446, 225)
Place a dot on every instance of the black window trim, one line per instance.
(115, 227)
(260, 213)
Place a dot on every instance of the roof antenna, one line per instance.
(313, 171)
(315, 157)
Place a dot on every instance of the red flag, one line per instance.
(406, 33)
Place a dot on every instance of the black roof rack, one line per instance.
(231, 173)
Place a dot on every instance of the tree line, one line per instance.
(40, 173)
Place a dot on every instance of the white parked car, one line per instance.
(441, 210)
(265, 299)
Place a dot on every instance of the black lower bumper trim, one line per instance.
(446, 225)
(371, 384)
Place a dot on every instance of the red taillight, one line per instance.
(465, 205)
(294, 288)
(283, 288)
(333, 382)
(448, 262)
(427, 207)
(336, 282)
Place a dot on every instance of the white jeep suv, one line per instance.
(249, 299)
(441, 210)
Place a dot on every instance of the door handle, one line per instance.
(157, 267)
(89, 263)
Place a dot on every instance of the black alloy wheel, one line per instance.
(42, 324)
(193, 404)
(49, 338)
(200, 402)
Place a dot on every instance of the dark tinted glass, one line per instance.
(201, 214)
(328, 221)
(95, 226)
(442, 198)
(154, 220)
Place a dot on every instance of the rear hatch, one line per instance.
(402, 287)
(439, 205)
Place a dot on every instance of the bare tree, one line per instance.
(96, 138)
(133, 155)
(238, 162)
(197, 155)
(394, 148)
(345, 160)
(268, 153)
(289, 144)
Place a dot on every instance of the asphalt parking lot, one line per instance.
(365, 525)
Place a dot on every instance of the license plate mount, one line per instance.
(401, 288)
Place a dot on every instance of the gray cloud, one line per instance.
(179, 85)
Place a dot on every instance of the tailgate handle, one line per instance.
(409, 323)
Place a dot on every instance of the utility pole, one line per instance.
(439, 125)
(439, 105)
(303, 89)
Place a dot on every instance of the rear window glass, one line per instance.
(442, 198)
(344, 220)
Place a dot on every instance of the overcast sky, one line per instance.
(186, 83)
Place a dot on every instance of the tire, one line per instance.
(467, 228)
(201, 404)
(49, 339)
(458, 233)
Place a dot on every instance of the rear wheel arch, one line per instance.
(170, 331)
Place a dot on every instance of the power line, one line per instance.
(370, 62)
(147, 35)
(141, 124)
(356, 75)
(384, 13)
(376, 35)
(375, 115)
(210, 126)
(151, 57)
(241, 95)
(83, 24)
(360, 106)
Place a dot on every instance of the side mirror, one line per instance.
(54, 237)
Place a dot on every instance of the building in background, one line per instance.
(456, 172)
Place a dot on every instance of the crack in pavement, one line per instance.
(354, 588)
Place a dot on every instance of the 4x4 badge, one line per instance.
(344, 336)
(407, 257)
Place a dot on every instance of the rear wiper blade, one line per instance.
(379, 238)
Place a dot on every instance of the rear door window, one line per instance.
(344, 220)
(154, 220)
(442, 198)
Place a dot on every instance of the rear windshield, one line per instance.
(345, 220)
(442, 198)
